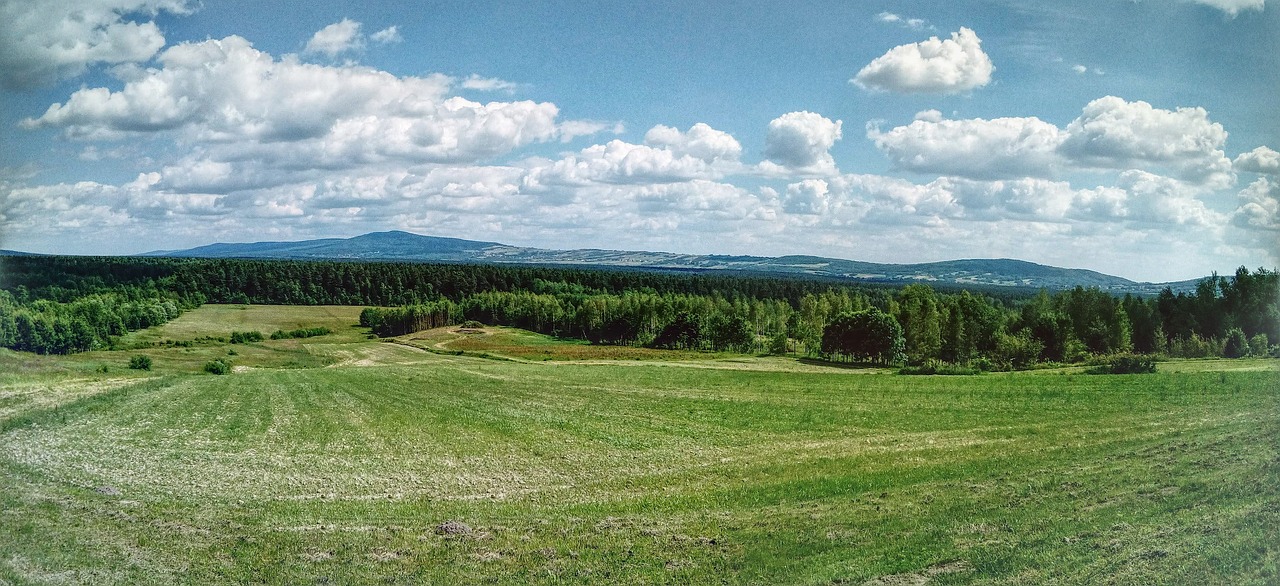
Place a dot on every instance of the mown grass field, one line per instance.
(340, 459)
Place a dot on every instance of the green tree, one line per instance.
(1237, 345)
(921, 322)
(869, 334)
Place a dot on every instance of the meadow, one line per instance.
(526, 459)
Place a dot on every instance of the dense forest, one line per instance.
(69, 304)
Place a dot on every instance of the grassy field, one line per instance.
(340, 459)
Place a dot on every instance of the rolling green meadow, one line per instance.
(506, 457)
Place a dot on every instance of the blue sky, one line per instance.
(1134, 138)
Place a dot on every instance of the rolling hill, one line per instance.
(405, 246)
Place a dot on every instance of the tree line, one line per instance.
(68, 304)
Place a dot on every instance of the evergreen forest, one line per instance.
(58, 305)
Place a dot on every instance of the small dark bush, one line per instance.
(1237, 345)
(935, 367)
(140, 362)
(300, 333)
(1127, 364)
(217, 366)
(472, 324)
(245, 337)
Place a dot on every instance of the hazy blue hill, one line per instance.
(393, 245)
(405, 246)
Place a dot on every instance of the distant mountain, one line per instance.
(393, 245)
(404, 246)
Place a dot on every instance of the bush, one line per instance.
(1236, 346)
(1127, 364)
(300, 333)
(140, 362)
(1259, 345)
(472, 324)
(217, 366)
(936, 367)
(245, 337)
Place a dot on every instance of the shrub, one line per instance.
(217, 366)
(1236, 346)
(936, 367)
(1259, 345)
(1127, 364)
(245, 337)
(140, 362)
(472, 324)
(300, 333)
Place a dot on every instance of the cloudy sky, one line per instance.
(1136, 138)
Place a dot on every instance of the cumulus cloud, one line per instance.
(1110, 133)
(700, 141)
(1259, 160)
(1164, 200)
(998, 148)
(387, 36)
(339, 37)
(42, 42)
(933, 66)
(1117, 134)
(1234, 7)
(241, 101)
(807, 197)
(619, 162)
(799, 141)
(1259, 207)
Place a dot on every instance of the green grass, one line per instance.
(530, 346)
(758, 471)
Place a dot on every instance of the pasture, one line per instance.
(342, 459)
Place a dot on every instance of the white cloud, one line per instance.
(1260, 207)
(571, 129)
(933, 66)
(1234, 7)
(488, 84)
(1155, 199)
(799, 141)
(43, 41)
(336, 38)
(1115, 134)
(1080, 69)
(244, 104)
(911, 23)
(700, 141)
(999, 148)
(807, 197)
(387, 36)
(619, 162)
(1110, 133)
(1259, 160)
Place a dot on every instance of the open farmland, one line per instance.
(339, 459)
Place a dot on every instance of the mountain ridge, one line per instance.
(397, 245)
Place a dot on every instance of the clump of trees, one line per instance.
(867, 335)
